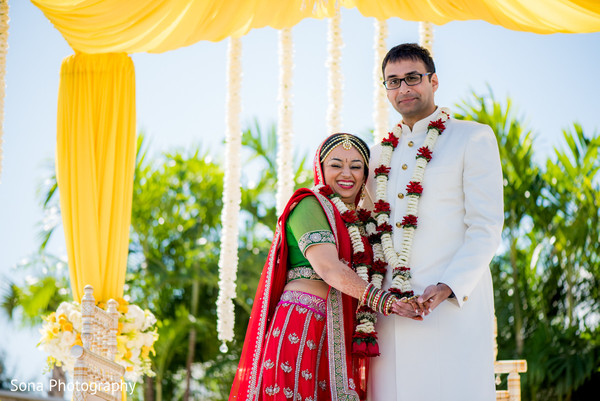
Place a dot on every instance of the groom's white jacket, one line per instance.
(449, 355)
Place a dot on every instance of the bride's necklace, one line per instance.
(385, 252)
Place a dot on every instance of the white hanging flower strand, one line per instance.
(380, 104)
(3, 51)
(232, 197)
(426, 36)
(285, 173)
(399, 262)
(335, 77)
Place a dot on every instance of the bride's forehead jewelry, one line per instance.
(348, 142)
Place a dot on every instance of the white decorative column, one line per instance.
(3, 51)
(232, 196)
(285, 168)
(380, 103)
(335, 80)
(426, 36)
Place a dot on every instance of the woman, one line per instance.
(299, 338)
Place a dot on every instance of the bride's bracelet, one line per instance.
(378, 300)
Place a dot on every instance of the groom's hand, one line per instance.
(406, 309)
(433, 296)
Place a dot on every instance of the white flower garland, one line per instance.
(3, 51)
(335, 78)
(232, 197)
(380, 104)
(426, 36)
(285, 173)
(399, 262)
(366, 320)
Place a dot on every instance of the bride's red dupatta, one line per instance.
(347, 372)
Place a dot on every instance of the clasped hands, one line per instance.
(419, 306)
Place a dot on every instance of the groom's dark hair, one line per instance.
(408, 51)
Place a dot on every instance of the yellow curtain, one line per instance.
(96, 113)
(95, 157)
(156, 26)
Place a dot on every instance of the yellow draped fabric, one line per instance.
(96, 113)
(95, 158)
(155, 26)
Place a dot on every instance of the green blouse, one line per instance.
(306, 225)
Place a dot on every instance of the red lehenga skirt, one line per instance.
(295, 363)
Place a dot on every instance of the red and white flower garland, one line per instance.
(399, 262)
(365, 337)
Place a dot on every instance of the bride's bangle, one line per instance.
(378, 300)
(368, 293)
(386, 303)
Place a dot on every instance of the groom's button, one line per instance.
(399, 225)
(404, 166)
(411, 143)
(465, 298)
(401, 195)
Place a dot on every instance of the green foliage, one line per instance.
(561, 360)
(46, 287)
(546, 272)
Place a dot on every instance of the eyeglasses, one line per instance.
(411, 80)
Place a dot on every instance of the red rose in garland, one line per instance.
(438, 125)
(382, 207)
(414, 188)
(409, 221)
(382, 170)
(349, 217)
(390, 140)
(326, 191)
(425, 153)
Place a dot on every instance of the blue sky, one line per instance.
(551, 79)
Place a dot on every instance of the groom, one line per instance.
(441, 347)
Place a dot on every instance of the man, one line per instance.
(441, 347)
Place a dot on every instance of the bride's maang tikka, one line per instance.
(348, 142)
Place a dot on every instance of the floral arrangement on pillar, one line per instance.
(136, 335)
(232, 196)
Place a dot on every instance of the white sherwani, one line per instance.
(449, 355)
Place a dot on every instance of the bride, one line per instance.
(299, 340)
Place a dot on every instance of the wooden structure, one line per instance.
(7, 395)
(511, 367)
(97, 376)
